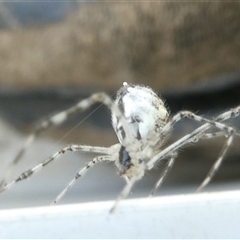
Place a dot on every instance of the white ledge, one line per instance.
(205, 215)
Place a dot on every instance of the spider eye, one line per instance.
(125, 160)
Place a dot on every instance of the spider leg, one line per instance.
(69, 148)
(232, 113)
(187, 114)
(212, 135)
(198, 134)
(172, 161)
(217, 163)
(80, 173)
(195, 137)
(212, 171)
(166, 170)
(125, 192)
(126, 179)
(62, 116)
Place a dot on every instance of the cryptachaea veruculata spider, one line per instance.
(142, 123)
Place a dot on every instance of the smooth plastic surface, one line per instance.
(207, 215)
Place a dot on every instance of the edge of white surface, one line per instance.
(204, 215)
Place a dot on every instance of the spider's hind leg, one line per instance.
(200, 133)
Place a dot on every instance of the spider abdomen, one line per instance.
(143, 109)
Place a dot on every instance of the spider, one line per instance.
(142, 123)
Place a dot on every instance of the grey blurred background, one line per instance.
(54, 53)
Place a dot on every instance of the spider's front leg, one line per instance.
(131, 166)
(166, 170)
(70, 148)
(60, 118)
(81, 172)
(136, 172)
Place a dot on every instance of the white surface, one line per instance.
(208, 215)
